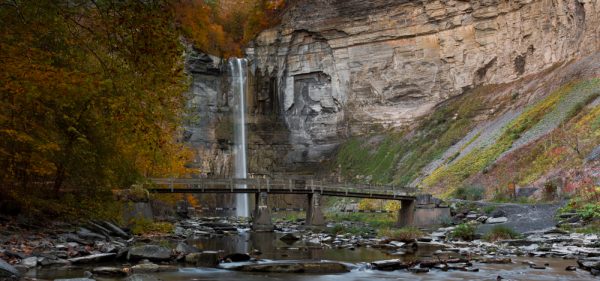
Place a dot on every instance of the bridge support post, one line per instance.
(406, 213)
(262, 214)
(314, 214)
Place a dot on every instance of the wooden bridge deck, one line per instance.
(280, 186)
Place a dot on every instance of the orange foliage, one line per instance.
(224, 27)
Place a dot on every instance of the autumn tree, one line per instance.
(91, 98)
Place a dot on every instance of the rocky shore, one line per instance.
(128, 256)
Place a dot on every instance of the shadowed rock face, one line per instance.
(346, 67)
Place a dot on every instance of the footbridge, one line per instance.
(312, 188)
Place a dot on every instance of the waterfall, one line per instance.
(238, 85)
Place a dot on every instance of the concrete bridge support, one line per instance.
(406, 214)
(262, 214)
(314, 214)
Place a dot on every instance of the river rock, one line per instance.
(206, 258)
(109, 271)
(295, 267)
(75, 279)
(389, 265)
(30, 262)
(496, 220)
(184, 248)
(115, 229)
(142, 277)
(498, 260)
(88, 234)
(92, 258)
(145, 268)
(589, 263)
(150, 252)
(7, 270)
(237, 257)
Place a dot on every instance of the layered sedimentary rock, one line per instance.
(335, 68)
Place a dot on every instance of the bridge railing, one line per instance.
(291, 184)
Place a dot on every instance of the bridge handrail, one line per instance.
(227, 183)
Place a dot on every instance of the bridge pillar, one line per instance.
(262, 214)
(314, 214)
(406, 213)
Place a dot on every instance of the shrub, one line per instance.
(472, 193)
(489, 209)
(590, 211)
(500, 233)
(401, 234)
(141, 226)
(463, 231)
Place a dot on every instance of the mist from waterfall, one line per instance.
(238, 85)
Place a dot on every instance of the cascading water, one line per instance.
(238, 84)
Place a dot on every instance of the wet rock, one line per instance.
(237, 257)
(142, 277)
(145, 268)
(150, 252)
(389, 265)
(206, 258)
(571, 268)
(497, 260)
(418, 270)
(115, 229)
(535, 266)
(48, 261)
(88, 234)
(496, 220)
(295, 267)
(30, 262)
(109, 271)
(75, 279)
(289, 238)
(589, 263)
(92, 258)
(7, 270)
(184, 248)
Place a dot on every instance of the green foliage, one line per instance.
(500, 233)
(399, 157)
(141, 226)
(401, 234)
(375, 220)
(478, 160)
(354, 230)
(489, 209)
(590, 211)
(472, 193)
(463, 231)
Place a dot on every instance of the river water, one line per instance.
(274, 249)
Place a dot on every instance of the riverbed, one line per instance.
(358, 259)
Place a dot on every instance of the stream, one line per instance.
(274, 249)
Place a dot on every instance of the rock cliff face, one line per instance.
(335, 68)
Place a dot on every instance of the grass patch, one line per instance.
(455, 174)
(501, 233)
(354, 230)
(141, 226)
(375, 220)
(489, 209)
(401, 234)
(463, 231)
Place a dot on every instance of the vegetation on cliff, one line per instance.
(223, 27)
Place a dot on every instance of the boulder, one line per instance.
(389, 265)
(145, 268)
(115, 229)
(184, 248)
(289, 238)
(75, 279)
(496, 220)
(589, 263)
(109, 271)
(206, 259)
(29, 262)
(150, 252)
(237, 257)
(7, 270)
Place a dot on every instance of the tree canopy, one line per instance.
(91, 96)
